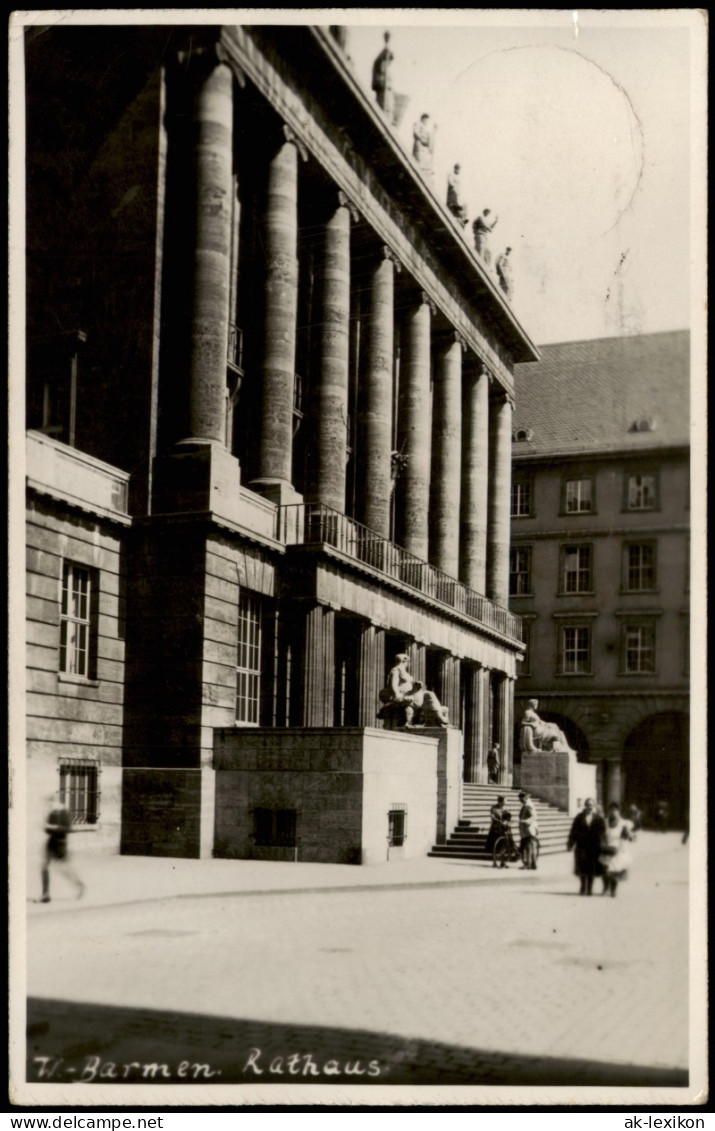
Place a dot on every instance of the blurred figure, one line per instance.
(587, 833)
(58, 826)
(528, 831)
(615, 858)
(499, 817)
(662, 813)
(493, 763)
(636, 820)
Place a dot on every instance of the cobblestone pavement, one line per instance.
(520, 981)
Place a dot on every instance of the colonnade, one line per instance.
(453, 426)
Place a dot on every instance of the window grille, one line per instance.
(79, 789)
(248, 666)
(397, 825)
(78, 623)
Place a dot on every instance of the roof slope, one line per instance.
(587, 396)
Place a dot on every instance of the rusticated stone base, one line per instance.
(557, 777)
(341, 785)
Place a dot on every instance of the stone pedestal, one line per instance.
(557, 777)
(198, 476)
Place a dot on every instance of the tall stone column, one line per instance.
(472, 728)
(375, 414)
(475, 478)
(198, 472)
(417, 653)
(276, 370)
(415, 431)
(506, 729)
(451, 689)
(370, 674)
(614, 785)
(319, 667)
(213, 187)
(498, 530)
(446, 459)
(327, 458)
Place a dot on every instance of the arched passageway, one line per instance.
(656, 766)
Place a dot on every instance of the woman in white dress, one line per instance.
(615, 854)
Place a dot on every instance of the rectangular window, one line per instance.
(575, 649)
(640, 567)
(577, 569)
(639, 648)
(78, 621)
(521, 498)
(275, 828)
(579, 496)
(79, 789)
(520, 571)
(248, 666)
(641, 494)
(397, 826)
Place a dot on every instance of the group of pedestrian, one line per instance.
(500, 825)
(600, 847)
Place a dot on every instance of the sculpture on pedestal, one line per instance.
(382, 78)
(406, 701)
(536, 735)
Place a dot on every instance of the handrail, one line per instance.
(310, 524)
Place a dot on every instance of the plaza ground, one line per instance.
(417, 972)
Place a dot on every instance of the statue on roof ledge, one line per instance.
(455, 200)
(382, 79)
(504, 272)
(482, 228)
(423, 146)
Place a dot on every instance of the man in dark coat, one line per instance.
(586, 836)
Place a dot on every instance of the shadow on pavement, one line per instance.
(70, 1042)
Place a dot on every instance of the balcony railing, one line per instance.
(311, 524)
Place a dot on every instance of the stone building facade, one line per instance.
(270, 395)
(600, 557)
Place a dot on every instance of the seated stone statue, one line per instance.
(406, 702)
(539, 735)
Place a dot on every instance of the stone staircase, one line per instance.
(468, 839)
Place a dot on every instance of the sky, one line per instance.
(583, 130)
(577, 136)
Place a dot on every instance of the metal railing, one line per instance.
(311, 524)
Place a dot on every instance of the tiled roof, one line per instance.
(587, 396)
